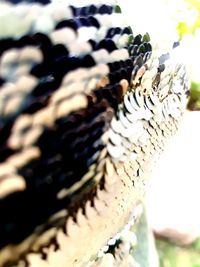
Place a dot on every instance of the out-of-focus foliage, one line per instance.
(189, 17)
(172, 255)
(194, 102)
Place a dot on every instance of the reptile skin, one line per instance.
(86, 106)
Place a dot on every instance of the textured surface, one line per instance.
(85, 108)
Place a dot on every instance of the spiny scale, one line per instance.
(85, 108)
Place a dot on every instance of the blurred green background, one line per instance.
(186, 16)
(187, 19)
(172, 255)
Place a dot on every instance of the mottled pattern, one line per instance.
(86, 107)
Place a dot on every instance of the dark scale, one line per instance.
(26, 40)
(161, 68)
(114, 66)
(35, 104)
(127, 30)
(141, 49)
(132, 49)
(70, 23)
(42, 69)
(135, 69)
(113, 31)
(52, 54)
(93, 22)
(129, 63)
(45, 87)
(42, 40)
(122, 64)
(124, 74)
(112, 78)
(1, 82)
(107, 94)
(87, 61)
(44, 43)
(107, 44)
(138, 61)
(6, 44)
(83, 11)
(145, 100)
(57, 67)
(137, 40)
(19, 223)
(58, 51)
(148, 47)
(129, 73)
(92, 10)
(39, 40)
(65, 158)
(84, 22)
(112, 93)
(93, 44)
(105, 9)
(139, 46)
(40, 95)
(120, 70)
(78, 22)
(176, 44)
(75, 11)
(147, 56)
(121, 74)
(44, 2)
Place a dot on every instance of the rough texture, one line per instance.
(85, 109)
